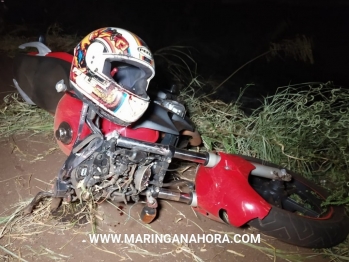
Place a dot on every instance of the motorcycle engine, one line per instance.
(98, 168)
(110, 172)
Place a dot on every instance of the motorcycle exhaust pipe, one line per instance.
(206, 159)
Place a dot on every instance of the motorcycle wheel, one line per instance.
(296, 216)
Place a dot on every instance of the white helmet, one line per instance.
(112, 68)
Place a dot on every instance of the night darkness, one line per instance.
(225, 34)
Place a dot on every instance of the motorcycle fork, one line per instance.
(149, 211)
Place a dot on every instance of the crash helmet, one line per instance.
(111, 70)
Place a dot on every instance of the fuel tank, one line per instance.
(66, 123)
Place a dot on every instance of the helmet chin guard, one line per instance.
(111, 69)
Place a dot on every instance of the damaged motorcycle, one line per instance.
(120, 144)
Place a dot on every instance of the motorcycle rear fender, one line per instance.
(225, 187)
(35, 77)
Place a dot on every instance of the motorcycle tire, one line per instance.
(308, 228)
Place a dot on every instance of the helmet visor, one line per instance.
(132, 79)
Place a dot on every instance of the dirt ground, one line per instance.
(30, 163)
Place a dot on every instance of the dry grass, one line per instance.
(303, 127)
(18, 225)
(18, 117)
(55, 38)
(299, 48)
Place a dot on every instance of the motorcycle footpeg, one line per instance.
(148, 214)
(39, 196)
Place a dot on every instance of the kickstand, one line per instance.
(55, 204)
(39, 196)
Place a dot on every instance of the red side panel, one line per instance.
(61, 55)
(69, 109)
(226, 186)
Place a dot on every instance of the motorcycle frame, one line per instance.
(221, 190)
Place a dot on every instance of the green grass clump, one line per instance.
(303, 127)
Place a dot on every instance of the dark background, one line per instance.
(224, 34)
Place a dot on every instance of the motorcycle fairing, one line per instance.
(37, 77)
(158, 118)
(225, 187)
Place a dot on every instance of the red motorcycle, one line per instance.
(126, 162)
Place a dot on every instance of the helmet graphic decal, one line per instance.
(112, 67)
(106, 94)
(110, 35)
